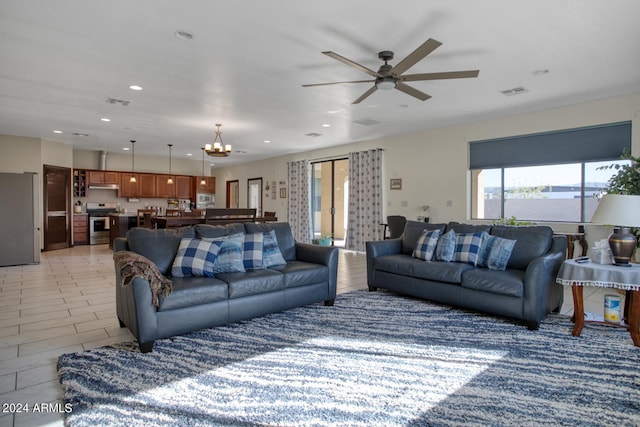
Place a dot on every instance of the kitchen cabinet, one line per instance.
(209, 187)
(164, 189)
(184, 187)
(119, 225)
(80, 229)
(103, 177)
(79, 183)
(146, 185)
(128, 188)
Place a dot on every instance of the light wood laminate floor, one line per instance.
(67, 304)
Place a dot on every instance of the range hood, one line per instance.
(104, 187)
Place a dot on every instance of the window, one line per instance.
(551, 176)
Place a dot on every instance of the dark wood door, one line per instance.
(57, 207)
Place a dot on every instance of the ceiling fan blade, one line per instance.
(338, 83)
(365, 95)
(439, 76)
(352, 64)
(411, 91)
(423, 50)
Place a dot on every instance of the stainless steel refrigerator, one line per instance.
(19, 220)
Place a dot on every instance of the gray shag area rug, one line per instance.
(373, 359)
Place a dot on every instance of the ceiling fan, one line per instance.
(391, 77)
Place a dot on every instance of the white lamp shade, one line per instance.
(618, 210)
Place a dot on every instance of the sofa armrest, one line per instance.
(379, 248)
(325, 255)
(120, 244)
(541, 292)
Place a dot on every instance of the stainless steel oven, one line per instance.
(99, 222)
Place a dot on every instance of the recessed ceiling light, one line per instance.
(125, 148)
(189, 154)
(104, 119)
(266, 141)
(183, 35)
(333, 111)
(57, 131)
(135, 87)
(326, 125)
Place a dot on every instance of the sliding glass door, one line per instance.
(329, 196)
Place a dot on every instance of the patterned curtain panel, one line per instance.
(299, 206)
(365, 199)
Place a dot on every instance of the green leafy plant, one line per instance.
(512, 220)
(627, 178)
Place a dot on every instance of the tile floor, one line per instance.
(66, 304)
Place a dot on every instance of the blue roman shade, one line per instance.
(587, 144)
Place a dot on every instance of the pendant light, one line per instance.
(170, 180)
(218, 149)
(133, 150)
(202, 181)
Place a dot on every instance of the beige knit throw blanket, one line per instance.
(132, 265)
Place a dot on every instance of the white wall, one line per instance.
(433, 165)
(84, 159)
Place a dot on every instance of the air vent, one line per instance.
(515, 91)
(80, 134)
(122, 102)
(366, 122)
(313, 134)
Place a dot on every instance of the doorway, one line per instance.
(329, 200)
(233, 194)
(57, 207)
(254, 195)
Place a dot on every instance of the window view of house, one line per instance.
(562, 193)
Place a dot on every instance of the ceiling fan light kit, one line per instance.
(391, 77)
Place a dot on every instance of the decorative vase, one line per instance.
(622, 244)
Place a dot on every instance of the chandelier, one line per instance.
(218, 149)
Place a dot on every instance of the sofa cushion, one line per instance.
(450, 272)
(229, 258)
(252, 282)
(495, 252)
(426, 245)
(252, 251)
(160, 246)
(284, 236)
(195, 257)
(190, 291)
(467, 247)
(446, 246)
(467, 228)
(531, 242)
(413, 230)
(300, 273)
(212, 231)
(509, 282)
(398, 264)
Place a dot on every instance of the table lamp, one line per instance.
(621, 211)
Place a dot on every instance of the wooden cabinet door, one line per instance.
(184, 187)
(209, 186)
(96, 177)
(164, 189)
(80, 229)
(147, 185)
(111, 177)
(128, 188)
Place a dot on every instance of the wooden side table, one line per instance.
(578, 275)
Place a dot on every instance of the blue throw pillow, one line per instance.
(446, 246)
(230, 256)
(467, 247)
(195, 258)
(498, 252)
(252, 251)
(271, 255)
(426, 244)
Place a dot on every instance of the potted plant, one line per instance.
(512, 220)
(323, 240)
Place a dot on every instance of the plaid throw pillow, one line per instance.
(195, 257)
(426, 244)
(467, 247)
(252, 251)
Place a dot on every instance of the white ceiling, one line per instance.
(60, 61)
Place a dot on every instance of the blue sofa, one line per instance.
(309, 276)
(525, 290)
